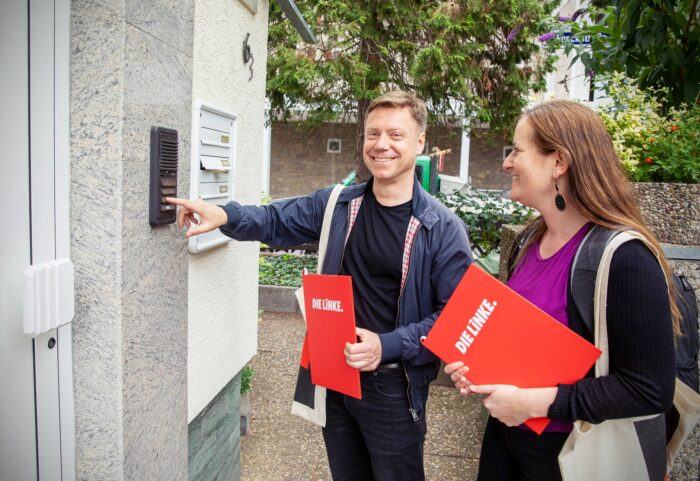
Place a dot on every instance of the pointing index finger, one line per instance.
(178, 201)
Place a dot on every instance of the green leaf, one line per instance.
(409, 45)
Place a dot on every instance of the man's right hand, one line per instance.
(211, 216)
(457, 371)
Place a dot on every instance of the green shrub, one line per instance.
(247, 374)
(285, 269)
(631, 117)
(485, 213)
(674, 154)
(651, 146)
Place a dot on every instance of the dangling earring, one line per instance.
(559, 199)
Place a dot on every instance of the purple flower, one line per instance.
(564, 18)
(514, 33)
(547, 37)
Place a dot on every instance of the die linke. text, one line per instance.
(475, 324)
(326, 305)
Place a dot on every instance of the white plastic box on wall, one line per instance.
(213, 165)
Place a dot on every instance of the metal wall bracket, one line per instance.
(248, 56)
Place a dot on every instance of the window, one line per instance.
(333, 146)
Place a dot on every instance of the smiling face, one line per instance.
(393, 139)
(533, 172)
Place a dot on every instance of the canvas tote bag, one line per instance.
(618, 449)
(687, 403)
(309, 399)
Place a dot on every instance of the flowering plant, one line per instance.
(485, 213)
(651, 146)
(632, 118)
(674, 154)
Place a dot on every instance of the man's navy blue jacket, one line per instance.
(439, 255)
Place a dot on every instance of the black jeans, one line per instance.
(375, 438)
(515, 454)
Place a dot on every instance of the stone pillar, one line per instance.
(131, 68)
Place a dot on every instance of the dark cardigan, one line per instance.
(640, 343)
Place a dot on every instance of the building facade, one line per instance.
(149, 338)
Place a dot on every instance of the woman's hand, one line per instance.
(456, 371)
(512, 405)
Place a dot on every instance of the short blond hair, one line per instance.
(400, 99)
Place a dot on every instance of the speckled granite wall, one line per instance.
(131, 68)
(672, 211)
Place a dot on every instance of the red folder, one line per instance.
(330, 323)
(505, 339)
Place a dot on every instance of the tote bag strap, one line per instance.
(602, 365)
(326, 226)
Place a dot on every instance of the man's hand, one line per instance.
(211, 216)
(366, 354)
(456, 371)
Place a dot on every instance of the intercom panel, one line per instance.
(164, 154)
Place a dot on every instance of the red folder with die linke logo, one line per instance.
(330, 323)
(505, 339)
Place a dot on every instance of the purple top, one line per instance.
(544, 283)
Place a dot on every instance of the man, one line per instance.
(406, 253)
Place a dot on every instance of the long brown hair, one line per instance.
(598, 186)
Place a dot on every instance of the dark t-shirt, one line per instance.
(373, 257)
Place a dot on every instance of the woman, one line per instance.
(563, 164)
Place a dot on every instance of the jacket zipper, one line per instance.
(411, 408)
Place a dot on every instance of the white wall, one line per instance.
(223, 282)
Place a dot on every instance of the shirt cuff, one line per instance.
(561, 407)
(233, 213)
(391, 345)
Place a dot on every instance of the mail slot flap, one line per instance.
(214, 163)
(214, 121)
(207, 176)
(214, 190)
(209, 136)
(211, 150)
(201, 242)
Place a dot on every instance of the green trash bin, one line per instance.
(423, 171)
(349, 179)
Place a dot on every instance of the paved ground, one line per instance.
(282, 447)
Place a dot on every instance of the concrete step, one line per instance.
(277, 299)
